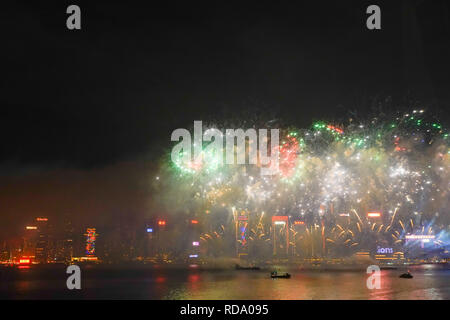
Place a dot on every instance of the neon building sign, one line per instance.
(384, 250)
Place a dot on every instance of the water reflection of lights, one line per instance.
(193, 278)
(24, 267)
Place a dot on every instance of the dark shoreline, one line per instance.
(212, 268)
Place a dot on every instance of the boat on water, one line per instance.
(388, 268)
(406, 275)
(239, 267)
(276, 275)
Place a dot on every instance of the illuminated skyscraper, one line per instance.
(298, 231)
(242, 234)
(67, 247)
(91, 237)
(42, 245)
(193, 238)
(280, 236)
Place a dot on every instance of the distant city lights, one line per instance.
(161, 222)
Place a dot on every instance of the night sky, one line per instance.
(85, 115)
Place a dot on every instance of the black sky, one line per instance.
(135, 72)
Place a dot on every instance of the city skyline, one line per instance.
(293, 150)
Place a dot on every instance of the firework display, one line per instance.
(352, 185)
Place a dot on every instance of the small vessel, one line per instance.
(388, 268)
(276, 275)
(239, 267)
(406, 275)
